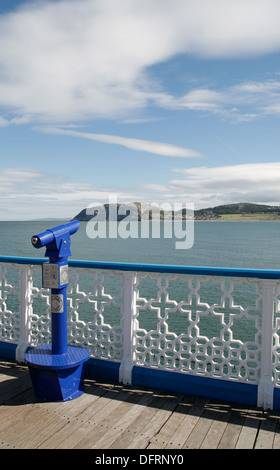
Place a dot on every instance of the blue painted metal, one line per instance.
(8, 350)
(57, 240)
(59, 323)
(57, 377)
(276, 399)
(56, 370)
(224, 390)
(22, 260)
(176, 269)
(43, 357)
(102, 369)
(157, 268)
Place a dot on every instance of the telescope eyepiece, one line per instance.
(34, 240)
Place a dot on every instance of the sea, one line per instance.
(227, 244)
(216, 244)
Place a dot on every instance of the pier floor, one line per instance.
(115, 416)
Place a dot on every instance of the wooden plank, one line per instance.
(39, 431)
(74, 413)
(267, 429)
(169, 428)
(8, 431)
(197, 435)
(14, 401)
(249, 431)
(217, 428)
(8, 415)
(276, 440)
(139, 433)
(13, 386)
(95, 411)
(92, 429)
(134, 430)
(155, 424)
(123, 423)
(188, 423)
(29, 425)
(11, 371)
(75, 407)
(233, 428)
(77, 427)
(96, 432)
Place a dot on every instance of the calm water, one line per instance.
(229, 244)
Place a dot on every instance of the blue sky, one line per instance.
(151, 100)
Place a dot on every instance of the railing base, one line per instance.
(8, 350)
(223, 390)
(102, 369)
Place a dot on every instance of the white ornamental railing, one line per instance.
(215, 323)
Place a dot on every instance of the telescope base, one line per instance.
(57, 377)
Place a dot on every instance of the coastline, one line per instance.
(237, 220)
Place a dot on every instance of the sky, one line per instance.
(137, 100)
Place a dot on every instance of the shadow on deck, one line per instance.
(115, 416)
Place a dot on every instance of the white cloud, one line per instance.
(67, 60)
(158, 148)
(253, 182)
(29, 194)
(11, 177)
(212, 186)
(243, 102)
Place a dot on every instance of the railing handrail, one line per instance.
(158, 268)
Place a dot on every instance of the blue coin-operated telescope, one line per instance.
(56, 369)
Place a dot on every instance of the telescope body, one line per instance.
(56, 369)
(57, 239)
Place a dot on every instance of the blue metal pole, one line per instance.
(59, 326)
(59, 316)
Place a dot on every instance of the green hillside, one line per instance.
(239, 211)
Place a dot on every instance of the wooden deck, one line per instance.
(114, 416)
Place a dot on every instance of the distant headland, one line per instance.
(242, 211)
